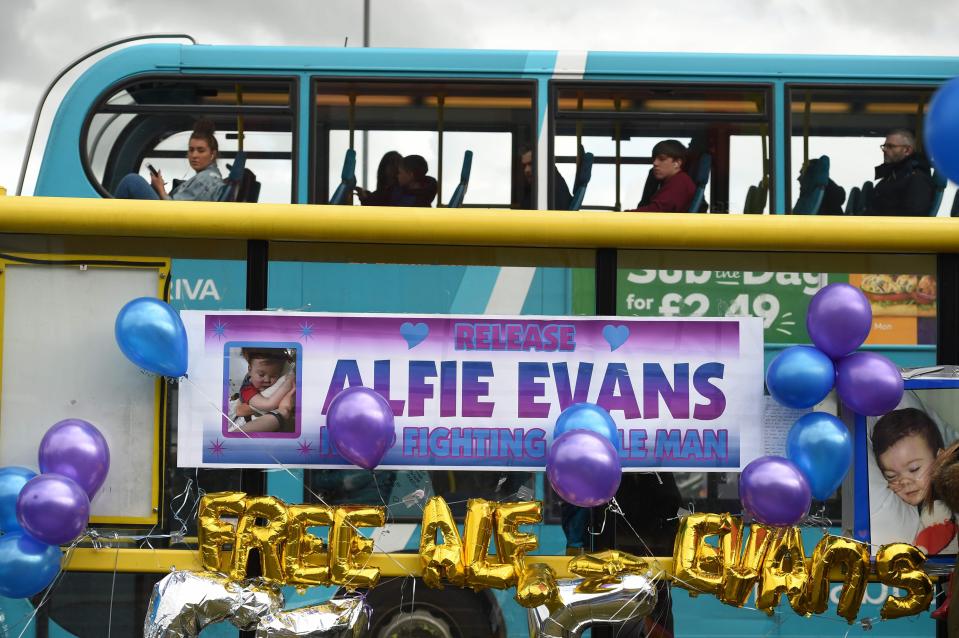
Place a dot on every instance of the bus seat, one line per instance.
(700, 177)
(240, 184)
(456, 201)
(854, 201)
(939, 182)
(812, 187)
(750, 202)
(347, 179)
(584, 172)
(866, 196)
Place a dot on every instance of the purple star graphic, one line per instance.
(217, 447)
(305, 447)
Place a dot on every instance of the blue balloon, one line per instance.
(820, 446)
(12, 480)
(27, 566)
(587, 416)
(800, 376)
(941, 130)
(151, 335)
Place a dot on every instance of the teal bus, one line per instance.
(303, 125)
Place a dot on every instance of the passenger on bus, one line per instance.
(387, 184)
(561, 196)
(676, 188)
(905, 186)
(206, 185)
(833, 197)
(416, 187)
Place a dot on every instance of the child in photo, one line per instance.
(266, 399)
(906, 444)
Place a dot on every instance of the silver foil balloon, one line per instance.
(633, 598)
(336, 618)
(183, 603)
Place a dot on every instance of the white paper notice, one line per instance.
(777, 420)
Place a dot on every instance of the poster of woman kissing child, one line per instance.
(904, 444)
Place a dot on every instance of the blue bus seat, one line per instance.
(584, 172)
(854, 204)
(347, 179)
(939, 182)
(456, 200)
(812, 187)
(240, 184)
(700, 177)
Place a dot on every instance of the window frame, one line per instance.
(317, 147)
(768, 116)
(101, 105)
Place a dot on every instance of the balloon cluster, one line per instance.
(583, 464)
(40, 512)
(778, 491)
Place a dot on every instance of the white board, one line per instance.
(60, 360)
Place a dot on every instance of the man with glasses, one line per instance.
(905, 182)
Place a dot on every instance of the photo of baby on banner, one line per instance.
(903, 446)
(261, 390)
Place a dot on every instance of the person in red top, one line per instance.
(676, 188)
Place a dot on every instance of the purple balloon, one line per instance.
(53, 509)
(360, 423)
(76, 449)
(839, 319)
(869, 383)
(774, 491)
(583, 467)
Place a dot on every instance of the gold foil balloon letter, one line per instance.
(851, 559)
(784, 571)
(349, 551)
(477, 533)
(269, 538)
(697, 565)
(899, 565)
(743, 565)
(441, 560)
(212, 533)
(305, 557)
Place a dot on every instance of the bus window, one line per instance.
(437, 120)
(619, 124)
(848, 124)
(149, 122)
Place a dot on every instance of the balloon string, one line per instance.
(296, 478)
(113, 584)
(53, 585)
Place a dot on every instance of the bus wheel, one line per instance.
(399, 611)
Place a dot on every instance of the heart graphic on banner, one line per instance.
(615, 336)
(414, 333)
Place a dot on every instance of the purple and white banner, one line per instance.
(480, 392)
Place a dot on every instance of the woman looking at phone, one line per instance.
(206, 185)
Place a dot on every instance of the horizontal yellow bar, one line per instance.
(161, 561)
(476, 227)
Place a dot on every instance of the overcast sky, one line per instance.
(39, 37)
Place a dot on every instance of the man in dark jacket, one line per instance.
(905, 186)
(675, 188)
